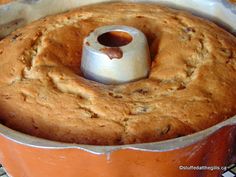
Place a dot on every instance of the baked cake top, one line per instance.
(191, 86)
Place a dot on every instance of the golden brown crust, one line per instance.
(4, 1)
(192, 84)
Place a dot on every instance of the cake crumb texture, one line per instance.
(191, 86)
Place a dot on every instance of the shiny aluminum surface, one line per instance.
(161, 146)
(115, 64)
(14, 11)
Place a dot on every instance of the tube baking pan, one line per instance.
(202, 154)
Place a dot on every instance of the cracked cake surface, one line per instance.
(191, 86)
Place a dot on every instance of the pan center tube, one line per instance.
(115, 55)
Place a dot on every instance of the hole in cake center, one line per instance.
(115, 38)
